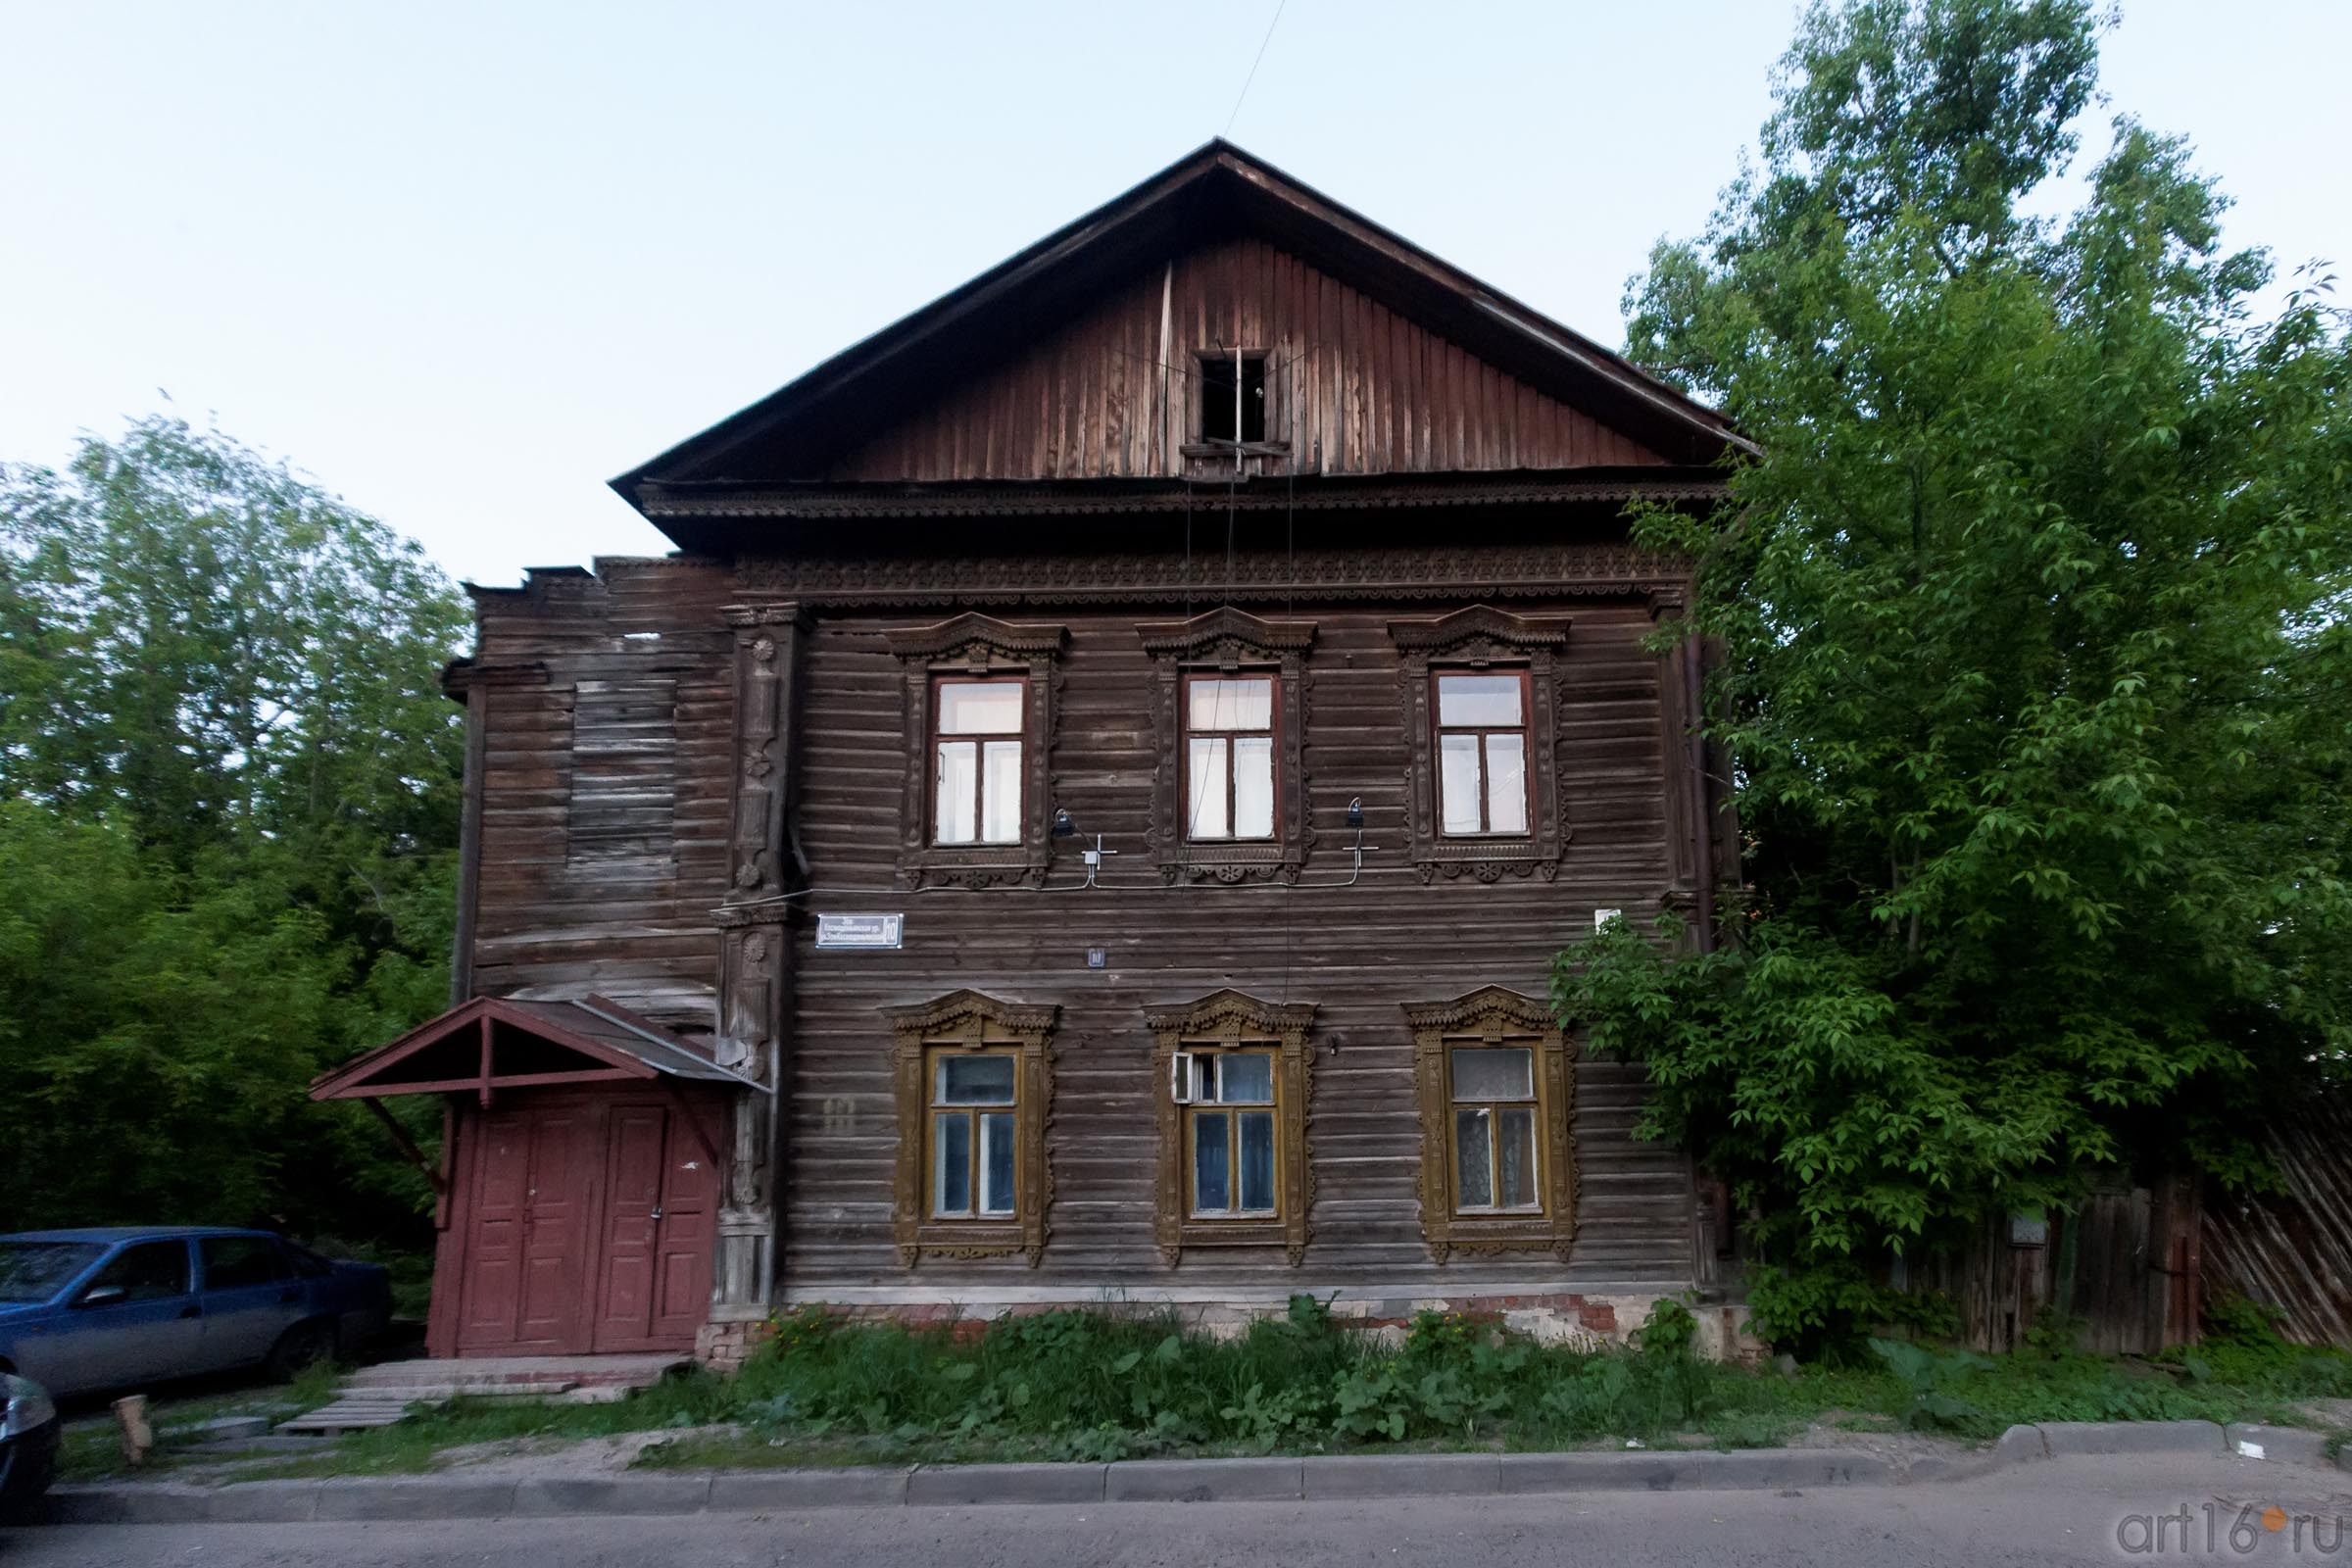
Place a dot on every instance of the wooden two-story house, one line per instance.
(1087, 814)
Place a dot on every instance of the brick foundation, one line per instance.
(1589, 1321)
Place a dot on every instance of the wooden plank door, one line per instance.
(636, 1149)
(686, 1238)
(490, 1287)
(558, 1235)
(655, 1284)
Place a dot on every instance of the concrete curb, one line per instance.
(1316, 1478)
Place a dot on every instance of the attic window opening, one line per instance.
(1218, 404)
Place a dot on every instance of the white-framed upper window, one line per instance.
(1229, 757)
(1482, 753)
(976, 760)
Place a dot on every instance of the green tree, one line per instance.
(228, 798)
(2037, 673)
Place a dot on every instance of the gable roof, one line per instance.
(1218, 190)
(596, 1040)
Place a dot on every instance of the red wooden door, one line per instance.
(654, 1280)
(533, 1187)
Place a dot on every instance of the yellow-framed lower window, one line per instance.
(972, 1143)
(1496, 1115)
(1228, 1098)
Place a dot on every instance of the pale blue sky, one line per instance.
(463, 262)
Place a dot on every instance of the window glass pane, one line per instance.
(1474, 1180)
(1458, 782)
(1506, 784)
(1003, 796)
(971, 708)
(955, 814)
(1246, 1079)
(234, 1261)
(951, 1163)
(148, 1271)
(1205, 787)
(1487, 701)
(1231, 704)
(1253, 787)
(1515, 1158)
(996, 1162)
(1211, 1181)
(1257, 1161)
(975, 1081)
(1494, 1072)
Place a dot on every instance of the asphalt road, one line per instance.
(2077, 1510)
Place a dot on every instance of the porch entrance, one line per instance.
(587, 1226)
(579, 1177)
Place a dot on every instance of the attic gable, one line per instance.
(1244, 237)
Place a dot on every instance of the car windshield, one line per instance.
(34, 1271)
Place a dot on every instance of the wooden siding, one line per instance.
(1356, 952)
(641, 931)
(559, 913)
(1351, 386)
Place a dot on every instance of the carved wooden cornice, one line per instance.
(976, 632)
(1444, 633)
(1226, 626)
(1487, 1008)
(1231, 1011)
(1545, 571)
(943, 1015)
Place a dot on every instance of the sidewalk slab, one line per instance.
(612, 1495)
(754, 1491)
(2288, 1445)
(1203, 1481)
(2132, 1436)
(1381, 1475)
(979, 1484)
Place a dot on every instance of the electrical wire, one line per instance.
(1253, 65)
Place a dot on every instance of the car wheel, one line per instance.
(304, 1345)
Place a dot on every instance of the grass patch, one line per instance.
(91, 1446)
(1080, 1386)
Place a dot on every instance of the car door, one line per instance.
(139, 1318)
(251, 1297)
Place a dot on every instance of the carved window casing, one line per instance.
(1229, 1024)
(1458, 1215)
(969, 1024)
(969, 647)
(1235, 644)
(1483, 641)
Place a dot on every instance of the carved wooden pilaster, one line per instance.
(755, 967)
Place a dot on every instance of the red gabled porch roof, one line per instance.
(504, 1042)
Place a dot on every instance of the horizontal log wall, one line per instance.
(553, 924)
(1350, 385)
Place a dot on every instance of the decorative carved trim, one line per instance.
(972, 1021)
(1492, 1015)
(978, 645)
(1233, 1017)
(1478, 638)
(1229, 640)
(1548, 572)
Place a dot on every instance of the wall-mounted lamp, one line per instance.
(1355, 812)
(1064, 827)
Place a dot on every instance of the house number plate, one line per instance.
(860, 930)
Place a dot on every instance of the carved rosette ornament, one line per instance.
(968, 1020)
(1233, 1018)
(974, 645)
(1483, 638)
(1229, 642)
(1489, 1017)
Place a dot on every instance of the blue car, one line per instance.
(111, 1309)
